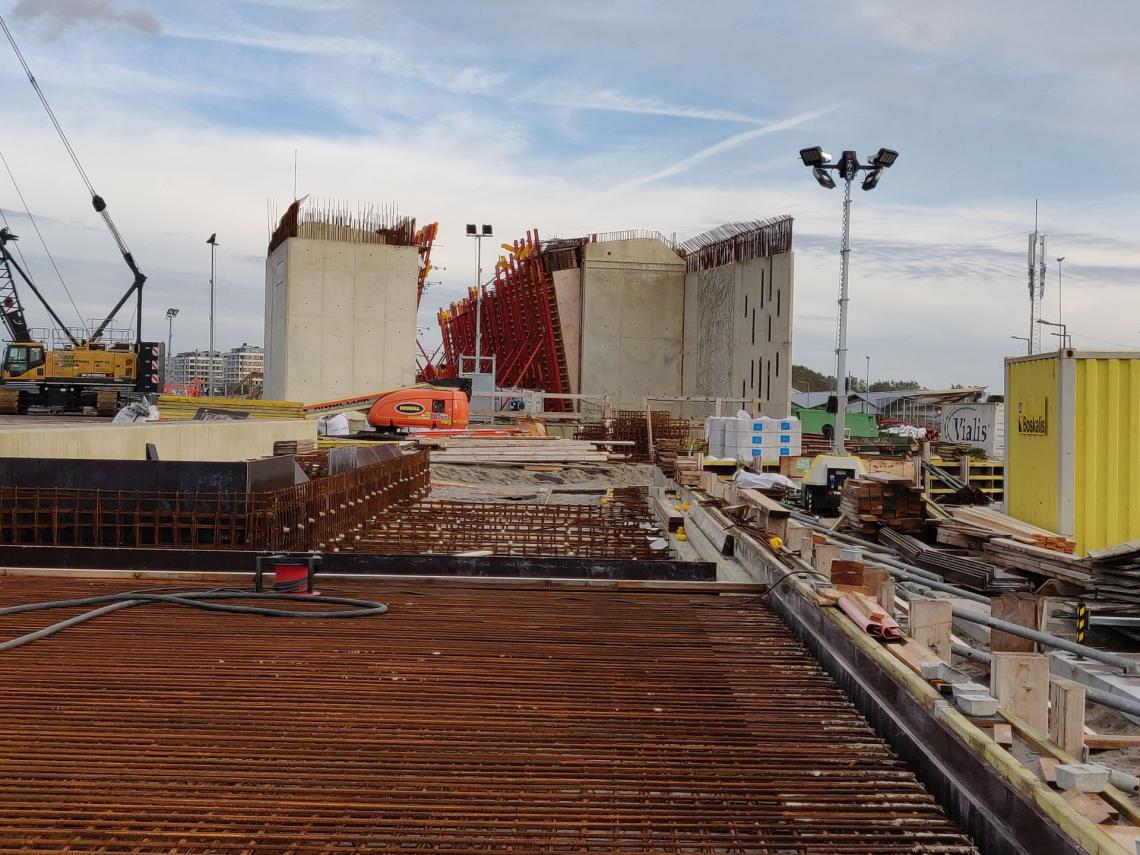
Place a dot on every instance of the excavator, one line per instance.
(85, 371)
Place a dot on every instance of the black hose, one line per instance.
(193, 599)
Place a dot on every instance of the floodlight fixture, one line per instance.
(814, 156)
(824, 178)
(487, 230)
(471, 229)
(885, 158)
(872, 179)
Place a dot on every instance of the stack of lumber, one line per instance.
(294, 446)
(665, 455)
(878, 499)
(176, 408)
(519, 450)
(954, 566)
(813, 444)
(1015, 554)
(687, 470)
(995, 521)
(952, 532)
(1116, 573)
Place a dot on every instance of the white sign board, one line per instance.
(979, 425)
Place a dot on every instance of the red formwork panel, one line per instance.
(519, 326)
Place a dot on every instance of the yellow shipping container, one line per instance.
(1073, 444)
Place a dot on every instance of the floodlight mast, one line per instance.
(848, 168)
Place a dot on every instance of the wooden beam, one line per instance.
(1020, 682)
(1067, 716)
(1109, 741)
(930, 625)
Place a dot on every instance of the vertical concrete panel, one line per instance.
(728, 313)
(348, 320)
(568, 297)
(276, 302)
(633, 296)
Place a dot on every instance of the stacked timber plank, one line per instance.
(294, 446)
(814, 444)
(988, 518)
(520, 450)
(1015, 554)
(1116, 573)
(687, 470)
(177, 408)
(877, 499)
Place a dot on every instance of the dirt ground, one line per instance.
(568, 485)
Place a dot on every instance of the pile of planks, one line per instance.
(877, 499)
(520, 450)
(1016, 554)
(177, 408)
(814, 444)
(294, 446)
(995, 521)
(687, 470)
(1116, 573)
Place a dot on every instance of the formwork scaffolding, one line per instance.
(520, 326)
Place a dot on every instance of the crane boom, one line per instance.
(97, 202)
(11, 309)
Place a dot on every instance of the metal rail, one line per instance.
(462, 721)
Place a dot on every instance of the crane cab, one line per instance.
(24, 361)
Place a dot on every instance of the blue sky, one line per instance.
(600, 116)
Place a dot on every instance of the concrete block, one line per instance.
(1084, 777)
(969, 688)
(978, 702)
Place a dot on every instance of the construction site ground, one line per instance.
(547, 485)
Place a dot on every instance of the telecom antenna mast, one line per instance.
(1037, 256)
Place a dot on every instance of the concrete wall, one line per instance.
(633, 294)
(186, 440)
(738, 332)
(340, 319)
(568, 298)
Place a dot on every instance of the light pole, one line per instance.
(485, 232)
(212, 240)
(867, 385)
(171, 314)
(847, 168)
(1064, 334)
(1059, 260)
(1028, 343)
